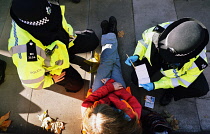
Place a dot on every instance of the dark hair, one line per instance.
(103, 119)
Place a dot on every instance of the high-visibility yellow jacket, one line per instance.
(172, 77)
(32, 73)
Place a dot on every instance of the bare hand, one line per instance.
(104, 80)
(117, 85)
(58, 78)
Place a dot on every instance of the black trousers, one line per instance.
(198, 88)
(86, 41)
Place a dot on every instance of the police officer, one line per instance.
(42, 43)
(177, 50)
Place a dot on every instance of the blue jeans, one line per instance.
(110, 62)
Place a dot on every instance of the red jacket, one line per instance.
(121, 99)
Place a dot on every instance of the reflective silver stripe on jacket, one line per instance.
(31, 81)
(203, 54)
(40, 86)
(40, 52)
(193, 66)
(184, 82)
(162, 72)
(47, 61)
(59, 62)
(22, 49)
(143, 43)
(195, 75)
(175, 82)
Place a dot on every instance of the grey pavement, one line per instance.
(134, 16)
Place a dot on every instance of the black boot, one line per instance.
(76, 1)
(166, 98)
(113, 25)
(105, 27)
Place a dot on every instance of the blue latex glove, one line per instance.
(148, 86)
(131, 58)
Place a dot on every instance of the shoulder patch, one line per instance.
(31, 51)
(201, 63)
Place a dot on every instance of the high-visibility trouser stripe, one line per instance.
(22, 49)
(143, 43)
(184, 82)
(32, 81)
(175, 82)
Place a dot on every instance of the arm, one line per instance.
(99, 93)
(131, 100)
(184, 80)
(193, 70)
(144, 43)
(140, 49)
(67, 27)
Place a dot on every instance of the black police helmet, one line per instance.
(39, 15)
(182, 40)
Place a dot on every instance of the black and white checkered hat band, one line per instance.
(36, 23)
